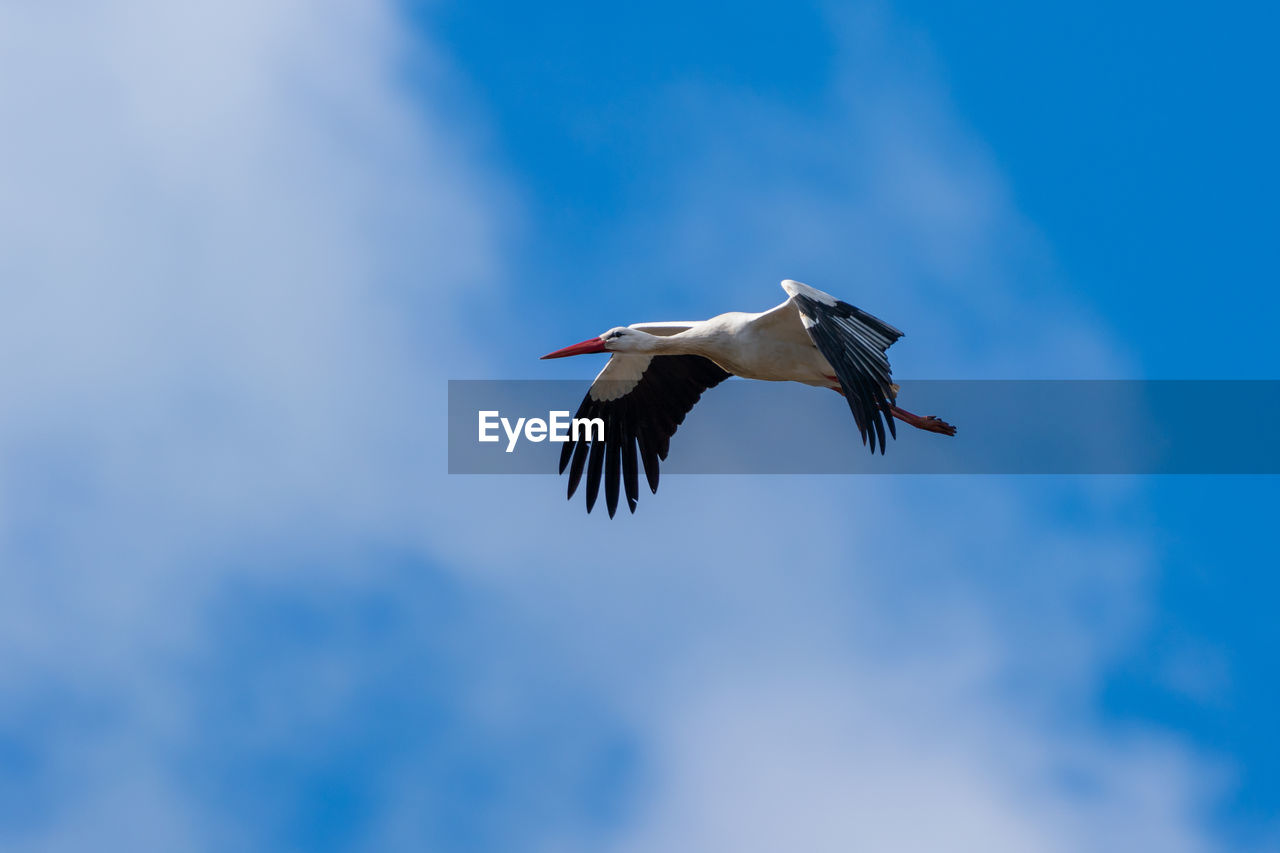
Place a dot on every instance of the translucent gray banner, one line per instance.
(1005, 427)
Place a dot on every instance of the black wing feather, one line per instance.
(594, 466)
(630, 474)
(641, 422)
(854, 342)
(612, 463)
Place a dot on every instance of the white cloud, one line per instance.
(219, 219)
(844, 760)
(223, 226)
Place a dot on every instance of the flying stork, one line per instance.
(659, 370)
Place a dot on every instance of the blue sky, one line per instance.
(243, 607)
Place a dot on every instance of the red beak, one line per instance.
(589, 345)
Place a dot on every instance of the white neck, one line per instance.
(692, 341)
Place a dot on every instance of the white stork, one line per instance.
(659, 370)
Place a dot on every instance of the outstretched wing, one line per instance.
(642, 400)
(854, 342)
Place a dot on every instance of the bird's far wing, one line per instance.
(642, 399)
(663, 328)
(854, 342)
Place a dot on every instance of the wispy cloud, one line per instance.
(234, 243)
(223, 225)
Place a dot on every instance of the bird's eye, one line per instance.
(615, 335)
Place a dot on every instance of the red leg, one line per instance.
(932, 423)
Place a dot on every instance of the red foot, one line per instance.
(931, 423)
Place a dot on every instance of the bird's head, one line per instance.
(619, 339)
